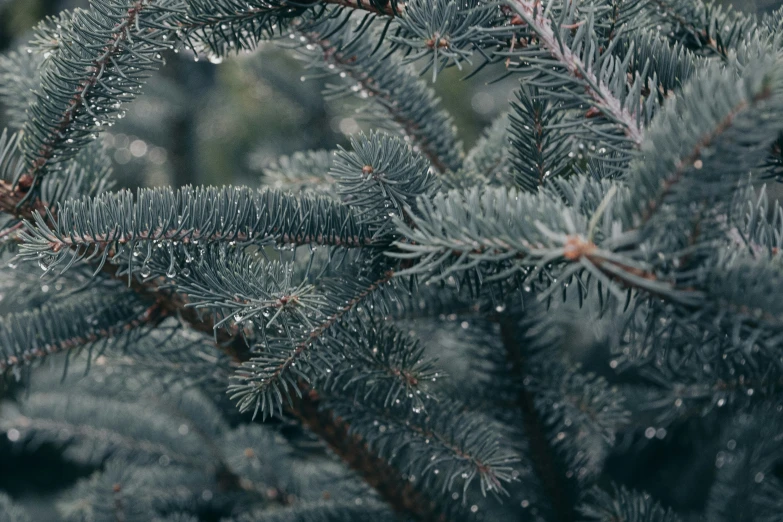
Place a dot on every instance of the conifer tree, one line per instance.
(386, 331)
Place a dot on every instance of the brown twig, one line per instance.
(545, 462)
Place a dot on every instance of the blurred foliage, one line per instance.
(218, 125)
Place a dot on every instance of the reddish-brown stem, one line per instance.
(377, 472)
(188, 236)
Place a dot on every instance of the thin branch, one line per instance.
(700, 35)
(693, 158)
(333, 56)
(533, 13)
(330, 321)
(150, 316)
(378, 473)
(97, 67)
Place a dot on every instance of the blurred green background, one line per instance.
(204, 123)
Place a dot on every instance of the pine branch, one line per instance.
(603, 96)
(347, 50)
(30, 336)
(109, 51)
(121, 228)
(735, 137)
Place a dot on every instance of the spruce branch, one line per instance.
(101, 63)
(747, 485)
(389, 361)
(122, 227)
(604, 89)
(347, 50)
(239, 288)
(621, 17)
(466, 448)
(381, 178)
(30, 336)
(225, 26)
(302, 172)
(18, 81)
(540, 151)
(625, 505)
(445, 32)
(582, 412)
(490, 158)
(667, 65)
(97, 428)
(399, 493)
(270, 377)
(705, 26)
(498, 234)
(735, 136)
(305, 404)
(87, 173)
